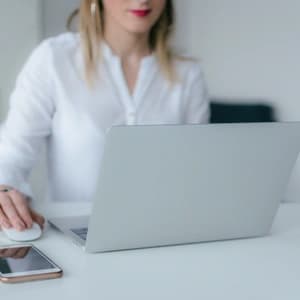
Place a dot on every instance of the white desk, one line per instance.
(263, 268)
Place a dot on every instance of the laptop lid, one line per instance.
(169, 184)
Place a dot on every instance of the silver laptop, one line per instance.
(177, 184)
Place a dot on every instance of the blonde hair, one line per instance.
(91, 26)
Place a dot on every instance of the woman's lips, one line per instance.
(140, 12)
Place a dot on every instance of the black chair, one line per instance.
(238, 112)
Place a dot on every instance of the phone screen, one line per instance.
(22, 259)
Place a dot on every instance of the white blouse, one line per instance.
(52, 104)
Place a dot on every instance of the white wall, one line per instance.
(250, 49)
(19, 33)
(55, 15)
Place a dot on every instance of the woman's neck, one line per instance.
(126, 45)
(129, 47)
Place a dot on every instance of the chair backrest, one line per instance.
(240, 112)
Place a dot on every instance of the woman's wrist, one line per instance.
(5, 188)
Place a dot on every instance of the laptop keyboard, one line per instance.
(81, 232)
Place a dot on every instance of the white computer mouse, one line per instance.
(27, 235)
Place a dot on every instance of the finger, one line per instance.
(26, 250)
(38, 218)
(11, 213)
(22, 207)
(4, 222)
(2, 251)
(10, 252)
(21, 253)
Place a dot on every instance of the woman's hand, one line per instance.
(14, 252)
(15, 211)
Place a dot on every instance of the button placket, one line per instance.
(126, 98)
(131, 117)
(145, 77)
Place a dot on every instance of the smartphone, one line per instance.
(20, 263)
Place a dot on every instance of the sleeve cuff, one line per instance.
(17, 183)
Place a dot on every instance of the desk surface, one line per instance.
(261, 268)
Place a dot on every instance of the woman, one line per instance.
(119, 69)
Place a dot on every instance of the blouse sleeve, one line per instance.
(196, 102)
(28, 122)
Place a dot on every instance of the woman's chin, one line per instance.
(139, 32)
(139, 29)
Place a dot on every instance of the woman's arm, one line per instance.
(27, 125)
(196, 100)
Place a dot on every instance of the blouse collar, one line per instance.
(108, 53)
